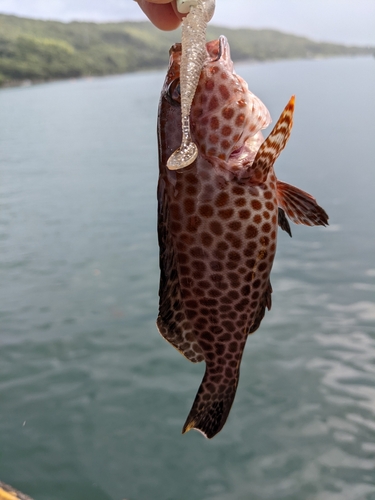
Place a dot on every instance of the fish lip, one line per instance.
(223, 49)
(176, 48)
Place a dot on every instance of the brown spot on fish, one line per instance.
(224, 92)
(209, 85)
(266, 228)
(227, 113)
(226, 214)
(256, 204)
(213, 138)
(240, 120)
(235, 225)
(244, 214)
(226, 131)
(215, 123)
(214, 103)
(221, 199)
(207, 239)
(206, 211)
(216, 228)
(251, 232)
(240, 202)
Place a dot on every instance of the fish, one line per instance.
(217, 225)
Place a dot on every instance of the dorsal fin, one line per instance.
(271, 148)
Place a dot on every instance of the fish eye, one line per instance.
(173, 93)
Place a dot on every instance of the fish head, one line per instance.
(225, 116)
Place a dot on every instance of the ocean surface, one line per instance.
(92, 399)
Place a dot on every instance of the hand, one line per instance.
(162, 13)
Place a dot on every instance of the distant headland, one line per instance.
(34, 50)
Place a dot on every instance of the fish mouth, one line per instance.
(175, 49)
(223, 49)
(218, 50)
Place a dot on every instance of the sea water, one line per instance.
(92, 399)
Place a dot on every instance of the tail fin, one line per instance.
(212, 405)
(271, 148)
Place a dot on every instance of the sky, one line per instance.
(342, 21)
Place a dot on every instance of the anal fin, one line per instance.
(266, 303)
(182, 339)
(283, 222)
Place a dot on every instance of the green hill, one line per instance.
(44, 50)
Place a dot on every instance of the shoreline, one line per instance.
(28, 82)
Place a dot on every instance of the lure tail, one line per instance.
(212, 404)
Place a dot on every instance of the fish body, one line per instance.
(217, 225)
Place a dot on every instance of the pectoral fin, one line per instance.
(271, 148)
(300, 206)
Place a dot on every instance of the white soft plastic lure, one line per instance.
(193, 56)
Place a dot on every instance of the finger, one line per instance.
(159, 1)
(163, 15)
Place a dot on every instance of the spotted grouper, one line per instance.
(217, 225)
